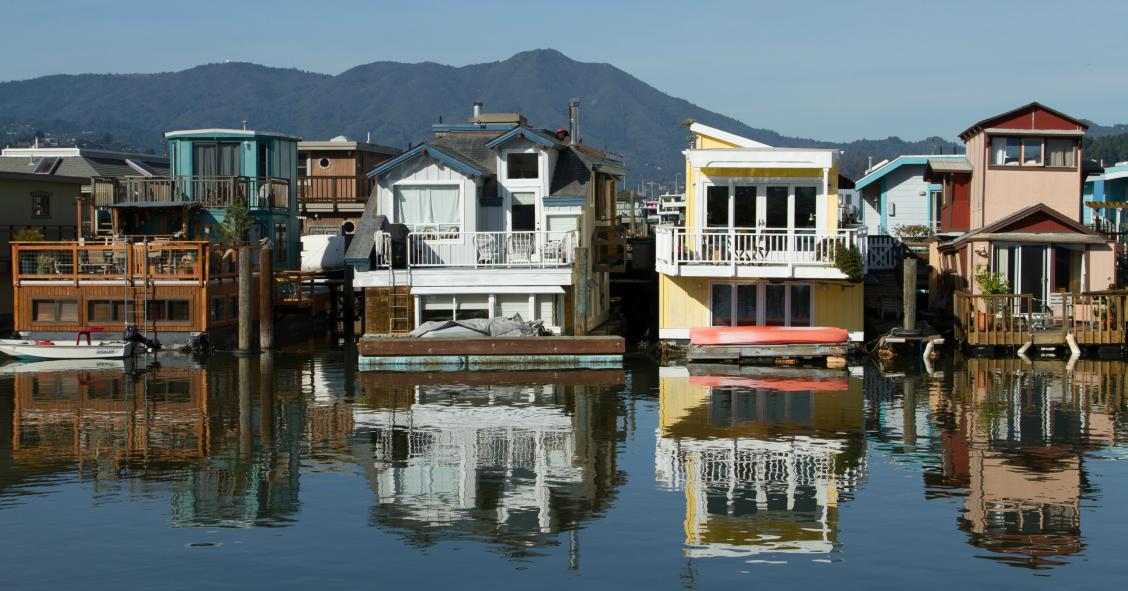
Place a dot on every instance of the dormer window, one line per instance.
(522, 166)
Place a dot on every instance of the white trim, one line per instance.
(1034, 132)
(460, 184)
(502, 289)
(237, 132)
(813, 158)
(462, 278)
(725, 136)
(671, 334)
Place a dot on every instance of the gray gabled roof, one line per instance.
(82, 166)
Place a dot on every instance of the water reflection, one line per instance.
(764, 456)
(171, 427)
(1010, 438)
(508, 457)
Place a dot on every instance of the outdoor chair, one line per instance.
(519, 249)
(486, 245)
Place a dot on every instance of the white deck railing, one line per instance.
(483, 250)
(752, 246)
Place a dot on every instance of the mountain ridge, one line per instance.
(397, 102)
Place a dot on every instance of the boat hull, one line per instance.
(768, 335)
(26, 349)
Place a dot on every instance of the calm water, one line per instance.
(299, 472)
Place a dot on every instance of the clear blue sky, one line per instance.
(832, 70)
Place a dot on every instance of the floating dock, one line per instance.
(565, 352)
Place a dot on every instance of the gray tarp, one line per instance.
(478, 327)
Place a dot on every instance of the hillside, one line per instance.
(396, 102)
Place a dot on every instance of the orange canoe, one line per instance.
(767, 335)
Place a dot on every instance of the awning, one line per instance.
(486, 289)
(1107, 204)
(1042, 237)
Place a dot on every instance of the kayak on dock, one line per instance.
(768, 335)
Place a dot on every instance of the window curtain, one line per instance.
(436, 206)
(1060, 152)
(204, 160)
(229, 159)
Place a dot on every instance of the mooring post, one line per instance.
(266, 298)
(350, 305)
(245, 436)
(246, 319)
(908, 293)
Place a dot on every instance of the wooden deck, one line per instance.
(414, 354)
(735, 353)
(1097, 318)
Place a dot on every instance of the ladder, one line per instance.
(400, 320)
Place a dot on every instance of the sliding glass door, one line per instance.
(761, 303)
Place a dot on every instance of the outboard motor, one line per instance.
(131, 335)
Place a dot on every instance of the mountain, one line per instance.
(397, 103)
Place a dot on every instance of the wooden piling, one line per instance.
(350, 305)
(908, 293)
(246, 319)
(266, 298)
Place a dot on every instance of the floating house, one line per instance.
(493, 217)
(894, 194)
(333, 184)
(40, 188)
(150, 252)
(1013, 207)
(762, 227)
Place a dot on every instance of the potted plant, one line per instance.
(28, 235)
(45, 263)
(188, 263)
(990, 283)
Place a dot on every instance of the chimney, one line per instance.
(477, 110)
(574, 121)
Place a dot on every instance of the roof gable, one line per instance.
(455, 162)
(1036, 219)
(518, 133)
(732, 139)
(1033, 116)
(896, 163)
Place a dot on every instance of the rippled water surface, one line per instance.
(298, 471)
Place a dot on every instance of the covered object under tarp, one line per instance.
(479, 327)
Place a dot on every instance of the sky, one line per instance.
(833, 70)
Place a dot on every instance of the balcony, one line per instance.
(1010, 320)
(90, 261)
(209, 192)
(333, 191)
(752, 252)
(477, 250)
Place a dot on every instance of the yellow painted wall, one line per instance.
(683, 302)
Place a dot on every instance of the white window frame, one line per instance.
(760, 300)
(428, 183)
(761, 184)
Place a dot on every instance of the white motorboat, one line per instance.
(36, 349)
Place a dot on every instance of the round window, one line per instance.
(348, 227)
(324, 163)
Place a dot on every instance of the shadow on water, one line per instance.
(750, 465)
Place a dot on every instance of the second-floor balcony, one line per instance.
(215, 192)
(753, 252)
(477, 250)
(92, 261)
(333, 191)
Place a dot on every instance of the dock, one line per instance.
(835, 354)
(392, 353)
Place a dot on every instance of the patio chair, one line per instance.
(519, 249)
(487, 249)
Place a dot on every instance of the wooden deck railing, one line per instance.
(1096, 318)
(74, 262)
(333, 189)
(213, 192)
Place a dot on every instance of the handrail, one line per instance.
(752, 246)
(258, 192)
(333, 189)
(482, 250)
(1094, 318)
(90, 260)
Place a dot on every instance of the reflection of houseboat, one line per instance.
(763, 458)
(519, 456)
(1016, 443)
(150, 253)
